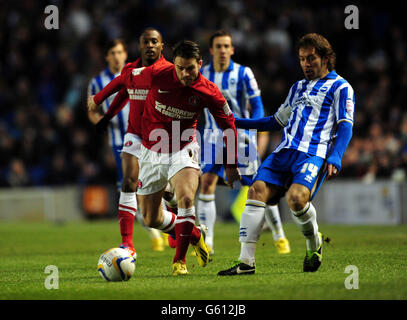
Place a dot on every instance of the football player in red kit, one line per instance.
(151, 47)
(170, 150)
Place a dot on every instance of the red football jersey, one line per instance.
(172, 109)
(136, 95)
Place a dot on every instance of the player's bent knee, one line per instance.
(129, 184)
(297, 200)
(257, 192)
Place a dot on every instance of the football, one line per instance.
(116, 264)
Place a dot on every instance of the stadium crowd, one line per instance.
(46, 138)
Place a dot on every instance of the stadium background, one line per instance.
(46, 140)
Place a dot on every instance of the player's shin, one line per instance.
(207, 215)
(251, 225)
(306, 220)
(184, 226)
(126, 211)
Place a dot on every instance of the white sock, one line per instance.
(247, 253)
(306, 220)
(207, 215)
(251, 224)
(168, 222)
(187, 212)
(186, 215)
(128, 202)
(273, 219)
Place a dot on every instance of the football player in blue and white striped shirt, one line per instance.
(317, 118)
(116, 56)
(239, 87)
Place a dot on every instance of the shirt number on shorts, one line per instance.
(312, 168)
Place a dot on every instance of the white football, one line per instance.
(116, 264)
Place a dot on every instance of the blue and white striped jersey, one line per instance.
(238, 85)
(118, 124)
(318, 106)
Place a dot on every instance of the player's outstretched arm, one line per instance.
(272, 123)
(257, 107)
(112, 87)
(344, 134)
(118, 103)
(263, 124)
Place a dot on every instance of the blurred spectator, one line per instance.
(45, 136)
(17, 175)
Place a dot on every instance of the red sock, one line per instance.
(172, 242)
(183, 232)
(126, 221)
(195, 236)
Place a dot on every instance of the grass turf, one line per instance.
(379, 253)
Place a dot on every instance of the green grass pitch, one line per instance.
(27, 248)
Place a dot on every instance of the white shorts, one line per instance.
(156, 169)
(132, 144)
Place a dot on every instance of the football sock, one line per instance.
(251, 224)
(184, 226)
(306, 220)
(168, 224)
(170, 206)
(207, 215)
(273, 219)
(126, 211)
(247, 253)
(195, 235)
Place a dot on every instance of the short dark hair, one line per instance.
(218, 33)
(322, 47)
(113, 43)
(187, 49)
(151, 29)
